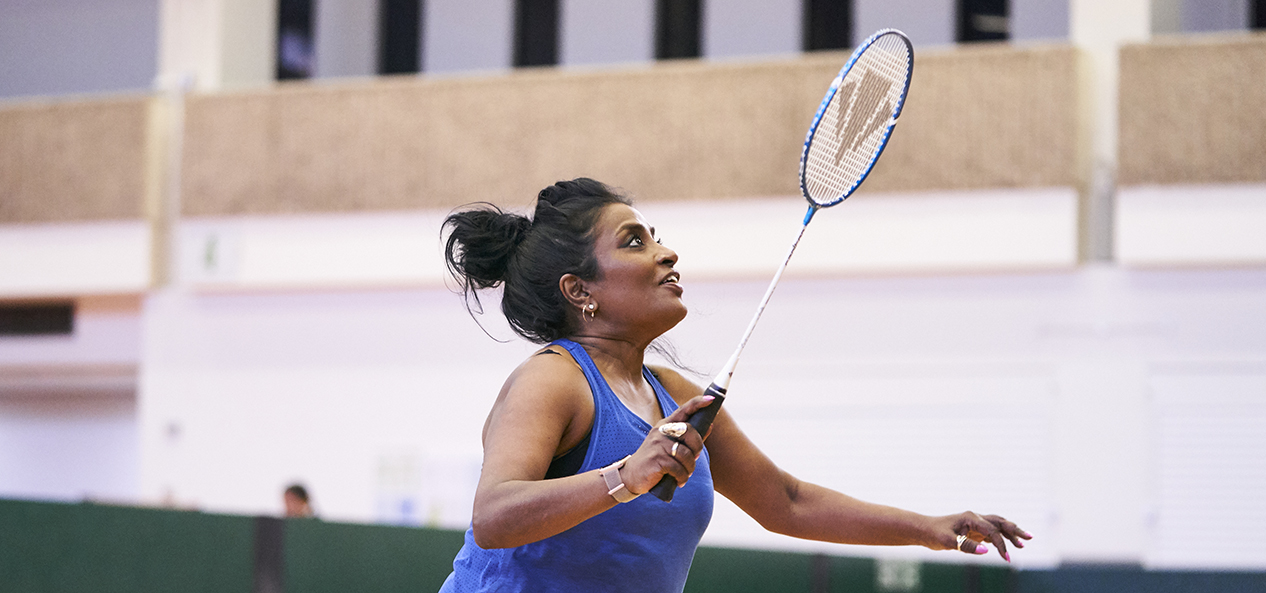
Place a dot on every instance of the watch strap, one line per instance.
(615, 485)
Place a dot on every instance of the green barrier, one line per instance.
(52, 547)
(758, 571)
(56, 548)
(339, 557)
(744, 571)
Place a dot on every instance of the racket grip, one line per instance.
(702, 421)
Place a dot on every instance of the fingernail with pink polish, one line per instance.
(982, 549)
(1006, 556)
(708, 398)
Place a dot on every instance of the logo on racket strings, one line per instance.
(865, 110)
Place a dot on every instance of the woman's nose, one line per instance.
(668, 258)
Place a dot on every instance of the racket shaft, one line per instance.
(723, 378)
(702, 421)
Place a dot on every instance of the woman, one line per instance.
(582, 428)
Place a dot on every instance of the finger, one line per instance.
(1001, 543)
(976, 530)
(1010, 530)
(694, 441)
(969, 543)
(679, 466)
(690, 407)
(990, 533)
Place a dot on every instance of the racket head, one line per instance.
(855, 119)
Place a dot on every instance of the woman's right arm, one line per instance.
(540, 402)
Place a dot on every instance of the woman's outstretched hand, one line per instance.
(969, 532)
(663, 454)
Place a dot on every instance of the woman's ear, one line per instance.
(573, 289)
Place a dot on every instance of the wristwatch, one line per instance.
(615, 485)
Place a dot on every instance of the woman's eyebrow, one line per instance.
(635, 226)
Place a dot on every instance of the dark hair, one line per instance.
(298, 491)
(488, 247)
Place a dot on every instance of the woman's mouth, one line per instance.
(672, 280)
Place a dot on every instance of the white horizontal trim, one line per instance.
(312, 251)
(68, 259)
(1185, 225)
(1001, 230)
(996, 230)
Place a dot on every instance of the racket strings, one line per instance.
(846, 141)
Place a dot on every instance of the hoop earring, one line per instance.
(591, 309)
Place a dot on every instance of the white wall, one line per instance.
(68, 418)
(352, 393)
(345, 35)
(1039, 20)
(1062, 400)
(1214, 15)
(69, 446)
(77, 46)
(745, 28)
(927, 22)
(593, 32)
(467, 35)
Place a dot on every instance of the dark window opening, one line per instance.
(295, 50)
(677, 28)
(399, 38)
(983, 20)
(828, 24)
(37, 320)
(535, 32)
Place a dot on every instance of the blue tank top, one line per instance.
(643, 546)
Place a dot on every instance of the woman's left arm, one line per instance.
(784, 504)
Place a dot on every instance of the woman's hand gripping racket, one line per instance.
(848, 133)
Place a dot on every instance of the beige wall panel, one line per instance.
(73, 161)
(1192, 111)
(989, 118)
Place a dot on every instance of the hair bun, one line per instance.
(481, 243)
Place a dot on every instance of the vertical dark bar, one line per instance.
(270, 555)
(983, 20)
(971, 578)
(828, 24)
(1257, 15)
(535, 32)
(399, 27)
(820, 573)
(677, 25)
(294, 39)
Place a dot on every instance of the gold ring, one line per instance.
(675, 445)
(673, 430)
(961, 539)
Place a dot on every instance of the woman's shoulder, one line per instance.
(549, 372)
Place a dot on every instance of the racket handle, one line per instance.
(702, 421)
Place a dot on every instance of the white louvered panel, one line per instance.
(937, 438)
(1210, 480)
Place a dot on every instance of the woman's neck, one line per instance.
(616, 357)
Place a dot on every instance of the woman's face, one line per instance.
(636, 285)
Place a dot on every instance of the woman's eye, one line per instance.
(635, 241)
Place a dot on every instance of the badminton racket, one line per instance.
(849, 131)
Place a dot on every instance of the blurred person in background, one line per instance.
(298, 504)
